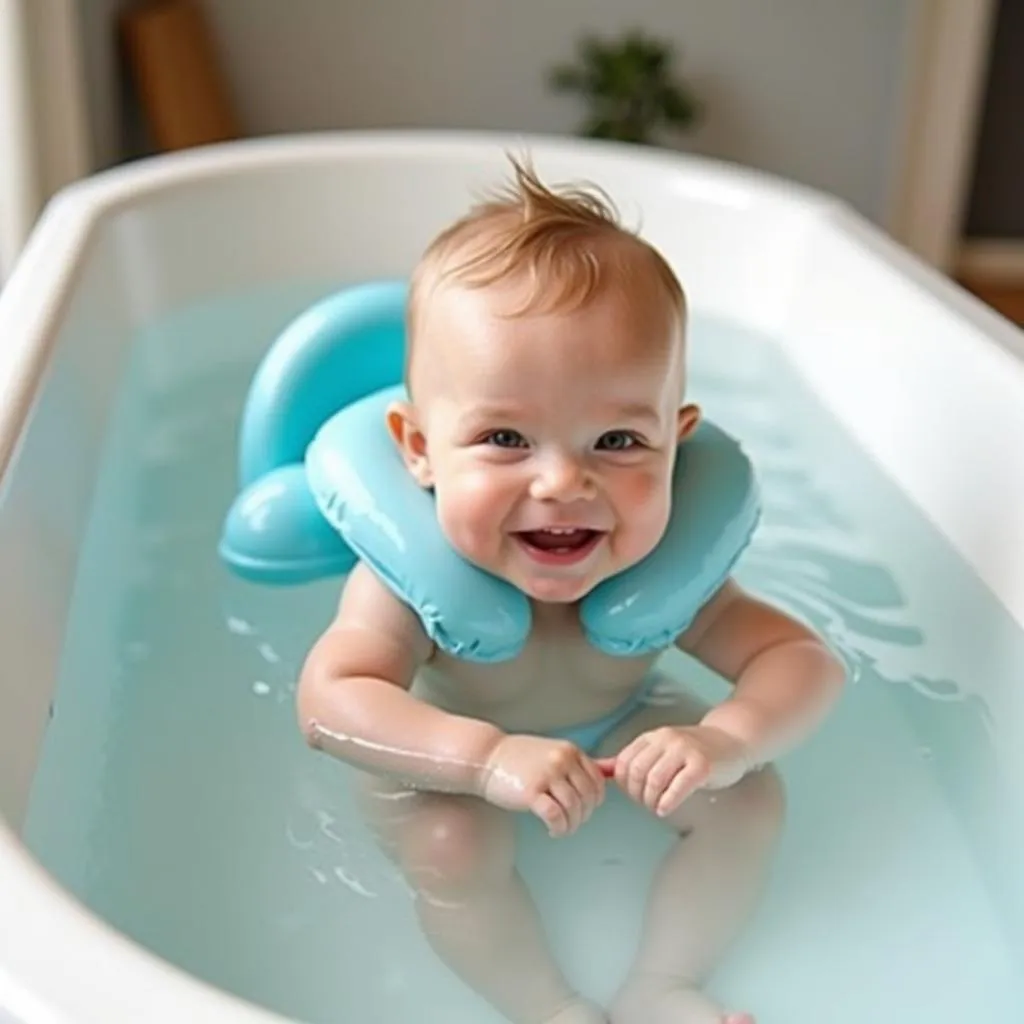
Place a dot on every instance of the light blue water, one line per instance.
(176, 798)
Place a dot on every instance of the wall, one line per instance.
(99, 58)
(19, 197)
(996, 202)
(811, 89)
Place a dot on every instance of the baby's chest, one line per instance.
(546, 664)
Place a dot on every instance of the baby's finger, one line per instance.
(661, 774)
(597, 776)
(624, 760)
(551, 813)
(563, 791)
(631, 749)
(589, 784)
(638, 770)
(689, 778)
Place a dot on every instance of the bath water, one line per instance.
(176, 798)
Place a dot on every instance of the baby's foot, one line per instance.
(580, 1011)
(664, 1003)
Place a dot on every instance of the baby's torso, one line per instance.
(558, 680)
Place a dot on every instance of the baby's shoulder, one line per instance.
(366, 603)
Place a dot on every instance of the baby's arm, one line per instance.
(784, 682)
(354, 702)
(785, 678)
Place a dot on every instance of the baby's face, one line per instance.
(549, 438)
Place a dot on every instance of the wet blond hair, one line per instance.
(567, 243)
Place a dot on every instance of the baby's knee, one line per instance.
(457, 844)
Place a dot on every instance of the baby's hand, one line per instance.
(661, 768)
(553, 779)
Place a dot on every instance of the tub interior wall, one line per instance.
(929, 382)
(45, 502)
(736, 248)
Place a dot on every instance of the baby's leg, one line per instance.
(458, 853)
(704, 889)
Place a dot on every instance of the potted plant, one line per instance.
(629, 88)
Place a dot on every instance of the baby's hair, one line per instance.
(568, 243)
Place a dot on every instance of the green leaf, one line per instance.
(678, 106)
(565, 78)
(617, 129)
(592, 51)
(628, 87)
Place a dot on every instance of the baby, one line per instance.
(545, 370)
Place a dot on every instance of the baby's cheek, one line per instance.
(468, 513)
(644, 506)
(642, 486)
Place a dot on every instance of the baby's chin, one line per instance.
(546, 588)
(553, 588)
(554, 591)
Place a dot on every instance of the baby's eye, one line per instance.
(506, 439)
(617, 441)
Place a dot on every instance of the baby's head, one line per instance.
(546, 371)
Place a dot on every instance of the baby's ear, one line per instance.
(689, 420)
(404, 428)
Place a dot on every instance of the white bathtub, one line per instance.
(861, 320)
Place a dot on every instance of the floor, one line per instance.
(1007, 299)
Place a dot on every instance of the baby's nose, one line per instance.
(561, 478)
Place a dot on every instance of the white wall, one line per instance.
(811, 89)
(19, 192)
(44, 143)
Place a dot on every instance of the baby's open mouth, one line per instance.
(561, 545)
